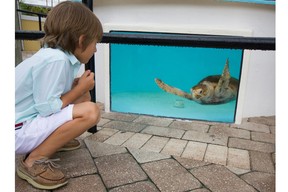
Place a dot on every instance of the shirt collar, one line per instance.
(74, 62)
(72, 58)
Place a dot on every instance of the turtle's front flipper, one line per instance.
(172, 90)
(223, 82)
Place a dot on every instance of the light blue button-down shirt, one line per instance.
(41, 80)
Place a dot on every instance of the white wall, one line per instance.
(259, 98)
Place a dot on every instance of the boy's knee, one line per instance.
(93, 112)
(97, 113)
(89, 111)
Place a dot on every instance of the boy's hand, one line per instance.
(86, 82)
(75, 82)
(80, 89)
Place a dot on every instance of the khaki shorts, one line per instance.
(35, 131)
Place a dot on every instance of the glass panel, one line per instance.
(269, 2)
(134, 68)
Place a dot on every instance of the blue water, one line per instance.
(133, 69)
(163, 104)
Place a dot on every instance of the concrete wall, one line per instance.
(259, 94)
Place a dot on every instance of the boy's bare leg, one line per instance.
(85, 116)
(84, 98)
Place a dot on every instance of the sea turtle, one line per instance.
(214, 89)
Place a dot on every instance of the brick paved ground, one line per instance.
(132, 153)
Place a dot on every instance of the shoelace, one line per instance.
(49, 162)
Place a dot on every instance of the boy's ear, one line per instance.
(81, 40)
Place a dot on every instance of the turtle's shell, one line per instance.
(206, 92)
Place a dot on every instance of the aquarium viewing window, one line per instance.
(269, 2)
(158, 81)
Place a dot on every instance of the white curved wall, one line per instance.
(259, 98)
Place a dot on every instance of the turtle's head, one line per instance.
(199, 92)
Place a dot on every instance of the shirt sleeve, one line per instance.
(48, 85)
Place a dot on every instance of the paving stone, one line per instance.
(244, 119)
(76, 163)
(156, 121)
(263, 137)
(216, 154)
(229, 131)
(81, 140)
(174, 147)
(125, 126)
(119, 169)
(200, 190)
(23, 186)
(98, 149)
(238, 171)
(155, 144)
(190, 163)
(165, 132)
(220, 179)
(18, 158)
(103, 122)
(264, 182)
(251, 145)
(88, 183)
(188, 126)
(119, 116)
(238, 158)
(102, 112)
(102, 135)
(253, 127)
(168, 175)
(143, 186)
(83, 136)
(210, 123)
(119, 138)
(195, 150)
(137, 140)
(206, 137)
(269, 120)
(101, 106)
(143, 156)
(262, 162)
(273, 158)
(272, 129)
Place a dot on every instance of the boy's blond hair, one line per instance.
(66, 22)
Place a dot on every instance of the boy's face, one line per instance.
(84, 55)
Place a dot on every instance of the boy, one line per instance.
(52, 106)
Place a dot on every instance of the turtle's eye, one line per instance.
(200, 92)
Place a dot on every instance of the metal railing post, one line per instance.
(91, 66)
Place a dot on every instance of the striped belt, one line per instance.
(18, 126)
